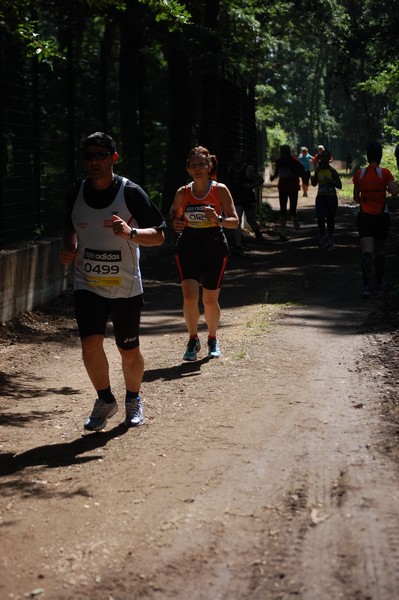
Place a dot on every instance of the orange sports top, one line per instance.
(372, 184)
(193, 207)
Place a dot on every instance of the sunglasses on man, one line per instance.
(96, 155)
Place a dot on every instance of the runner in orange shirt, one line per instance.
(199, 213)
(370, 187)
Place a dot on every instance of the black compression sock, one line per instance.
(106, 395)
(367, 266)
(379, 262)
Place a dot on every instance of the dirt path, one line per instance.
(270, 474)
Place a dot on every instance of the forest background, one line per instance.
(161, 76)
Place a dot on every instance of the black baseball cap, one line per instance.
(100, 139)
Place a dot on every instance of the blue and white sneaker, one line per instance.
(134, 412)
(192, 349)
(213, 348)
(101, 412)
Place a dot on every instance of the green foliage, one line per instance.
(340, 81)
(384, 85)
(267, 113)
(18, 19)
(346, 193)
(106, 4)
(38, 232)
(388, 159)
(244, 35)
(42, 49)
(384, 82)
(276, 137)
(321, 71)
(173, 13)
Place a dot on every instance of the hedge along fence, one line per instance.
(30, 177)
(46, 112)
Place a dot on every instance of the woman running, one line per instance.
(198, 214)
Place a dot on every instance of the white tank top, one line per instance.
(105, 264)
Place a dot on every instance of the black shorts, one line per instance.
(326, 206)
(375, 226)
(93, 312)
(306, 177)
(202, 255)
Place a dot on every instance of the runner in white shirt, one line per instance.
(107, 218)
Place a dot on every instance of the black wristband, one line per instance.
(133, 233)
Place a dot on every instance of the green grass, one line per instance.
(240, 354)
(347, 187)
(260, 322)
